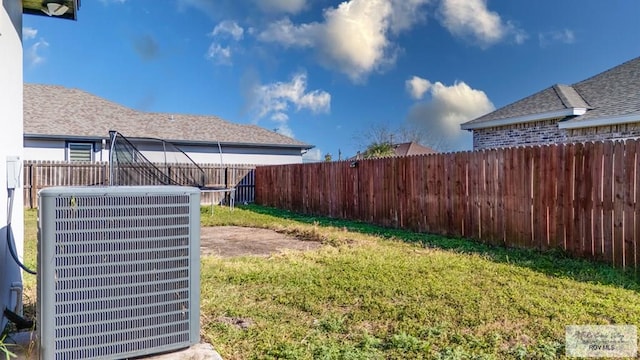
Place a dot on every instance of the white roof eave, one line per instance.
(614, 120)
(525, 118)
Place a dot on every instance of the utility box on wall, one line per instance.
(118, 271)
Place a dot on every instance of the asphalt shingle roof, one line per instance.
(51, 110)
(412, 148)
(615, 92)
(612, 93)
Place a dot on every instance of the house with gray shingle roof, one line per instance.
(63, 124)
(603, 107)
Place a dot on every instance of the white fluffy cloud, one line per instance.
(219, 54)
(449, 106)
(284, 129)
(354, 37)
(406, 13)
(33, 50)
(34, 55)
(277, 99)
(29, 33)
(472, 20)
(417, 87)
(288, 34)
(282, 6)
(228, 28)
(565, 36)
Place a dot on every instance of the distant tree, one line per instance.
(327, 157)
(377, 133)
(379, 138)
(423, 137)
(379, 150)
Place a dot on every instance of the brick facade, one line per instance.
(547, 132)
(531, 133)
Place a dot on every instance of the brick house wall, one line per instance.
(611, 132)
(547, 132)
(531, 133)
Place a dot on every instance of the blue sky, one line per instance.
(326, 72)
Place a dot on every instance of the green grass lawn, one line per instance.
(376, 293)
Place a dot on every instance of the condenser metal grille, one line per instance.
(118, 271)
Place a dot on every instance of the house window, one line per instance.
(80, 152)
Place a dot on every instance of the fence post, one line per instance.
(33, 190)
(105, 169)
(26, 185)
(227, 196)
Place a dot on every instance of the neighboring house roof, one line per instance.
(57, 111)
(611, 97)
(412, 148)
(403, 149)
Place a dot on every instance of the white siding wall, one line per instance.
(243, 155)
(55, 150)
(10, 145)
(247, 159)
(44, 150)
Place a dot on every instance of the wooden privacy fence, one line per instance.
(41, 174)
(583, 198)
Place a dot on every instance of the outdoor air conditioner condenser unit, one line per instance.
(118, 271)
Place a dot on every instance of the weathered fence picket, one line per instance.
(42, 174)
(582, 198)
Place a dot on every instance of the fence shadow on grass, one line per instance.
(555, 262)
